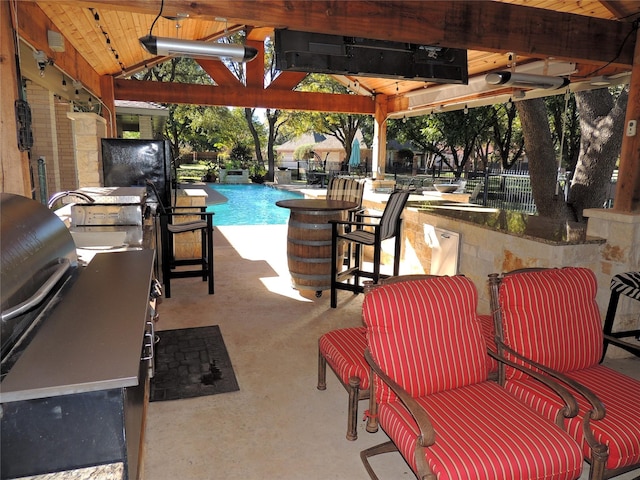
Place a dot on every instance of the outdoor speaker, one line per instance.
(56, 41)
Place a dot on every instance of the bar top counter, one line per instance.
(540, 229)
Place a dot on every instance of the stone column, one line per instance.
(146, 127)
(379, 139)
(187, 245)
(620, 254)
(45, 137)
(88, 130)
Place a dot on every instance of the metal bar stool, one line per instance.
(194, 220)
(627, 284)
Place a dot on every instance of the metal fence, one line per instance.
(502, 190)
(505, 191)
(512, 190)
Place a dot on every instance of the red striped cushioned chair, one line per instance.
(551, 317)
(489, 335)
(343, 350)
(434, 400)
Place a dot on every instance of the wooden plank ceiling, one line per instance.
(103, 34)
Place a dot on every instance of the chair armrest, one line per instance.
(570, 409)
(598, 411)
(357, 224)
(629, 347)
(201, 208)
(367, 215)
(427, 433)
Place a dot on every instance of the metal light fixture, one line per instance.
(600, 81)
(197, 49)
(526, 80)
(41, 60)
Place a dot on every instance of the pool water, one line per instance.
(250, 204)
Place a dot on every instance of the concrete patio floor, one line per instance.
(278, 426)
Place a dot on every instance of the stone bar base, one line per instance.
(188, 245)
(282, 177)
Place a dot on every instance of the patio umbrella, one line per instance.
(354, 159)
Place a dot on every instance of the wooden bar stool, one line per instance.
(627, 284)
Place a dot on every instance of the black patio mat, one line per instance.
(191, 362)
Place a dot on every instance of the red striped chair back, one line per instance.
(551, 317)
(426, 335)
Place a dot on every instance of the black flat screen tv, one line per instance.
(129, 163)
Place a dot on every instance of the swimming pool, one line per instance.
(250, 204)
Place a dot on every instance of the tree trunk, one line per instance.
(543, 166)
(272, 119)
(601, 125)
(248, 115)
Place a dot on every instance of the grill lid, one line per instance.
(37, 251)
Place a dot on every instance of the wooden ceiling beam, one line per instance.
(488, 26)
(254, 70)
(219, 72)
(626, 11)
(287, 80)
(161, 92)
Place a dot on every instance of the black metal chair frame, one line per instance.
(340, 279)
(627, 284)
(168, 229)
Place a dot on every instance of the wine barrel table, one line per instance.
(309, 240)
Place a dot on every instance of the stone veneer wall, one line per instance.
(484, 251)
(88, 130)
(53, 136)
(145, 125)
(43, 126)
(66, 155)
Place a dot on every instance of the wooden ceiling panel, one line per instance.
(485, 24)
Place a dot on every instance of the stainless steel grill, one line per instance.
(38, 259)
(76, 340)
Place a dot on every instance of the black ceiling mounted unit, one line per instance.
(338, 55)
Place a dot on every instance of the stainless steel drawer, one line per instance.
(89, 214)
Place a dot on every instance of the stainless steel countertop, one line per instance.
(116, 195)
(93, 339)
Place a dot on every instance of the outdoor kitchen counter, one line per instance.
(93, 339)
